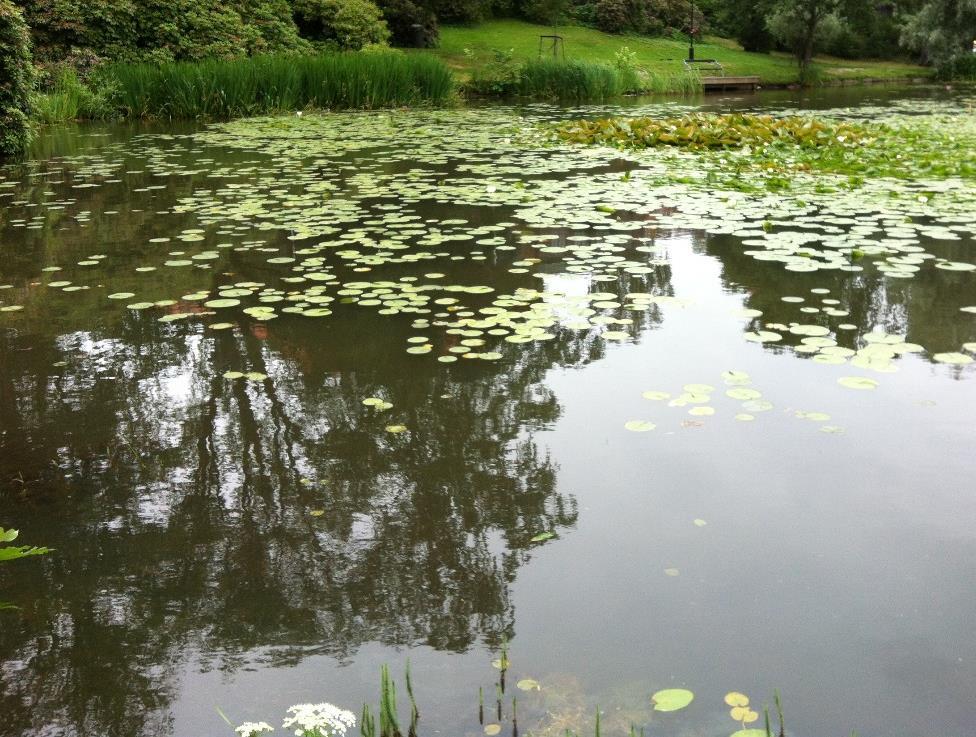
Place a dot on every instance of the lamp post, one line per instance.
(691, 33)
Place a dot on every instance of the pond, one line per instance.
(295, 398)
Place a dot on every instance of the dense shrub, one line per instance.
(613, 16)
(347, 24)
(961, 67)
(16, 80)
(411, 24)
(161, 30)
(460, 11)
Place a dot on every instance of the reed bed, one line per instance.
(226, 88)
(581, 81)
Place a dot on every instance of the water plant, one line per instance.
(68, 98)
(15, 552)
(225, 88)
(706, 131)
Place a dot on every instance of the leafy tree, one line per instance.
(745, 21)
(16, 83)
(942, 31)
(349, 24)
(800, 24)
(411, 24)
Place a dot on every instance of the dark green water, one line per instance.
(249, 545)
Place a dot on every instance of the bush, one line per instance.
(411, 25)
(499, 76)
(460, 11)
(613, 16)
(961, 68)
(16, 80)
(68, 98)
(160, 30)
(347, 24)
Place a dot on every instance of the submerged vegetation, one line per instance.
(240, 87)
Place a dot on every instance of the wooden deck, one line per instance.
(730, 83)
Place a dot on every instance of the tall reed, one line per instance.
(584, 81)
(225, 88)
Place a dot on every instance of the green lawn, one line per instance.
(654, 54)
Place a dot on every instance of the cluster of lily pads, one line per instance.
(334, 212)
(704, 131)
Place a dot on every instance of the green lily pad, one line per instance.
(857, 382)
(672, 699)
(639, 425)
(953, 358)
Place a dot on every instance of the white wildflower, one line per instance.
(253, 729)
(325, 720)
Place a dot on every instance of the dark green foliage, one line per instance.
(962, 67)
(613, 16)
(412, 24)
(164, 30)
(942, 30)
(231, 88)
(16, 81)
(548, 12)
(650, 17)
(65, 97)
(745, 21)
(460, 11)
(348, 25)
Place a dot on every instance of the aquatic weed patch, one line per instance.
(793, 143)
(706, 131)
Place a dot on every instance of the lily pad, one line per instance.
(672, 699)
(639, 425)
(857, 382)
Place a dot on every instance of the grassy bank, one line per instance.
(658, 57)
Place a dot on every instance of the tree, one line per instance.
(799, 24)
(16, 81)
(942, 31)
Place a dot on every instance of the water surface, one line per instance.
(250, 543)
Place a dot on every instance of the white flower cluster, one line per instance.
(253, 729)
(319, 720)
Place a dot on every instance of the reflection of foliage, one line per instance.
(404, 553)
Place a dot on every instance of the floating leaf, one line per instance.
(492, 729)
(734, 698)
(542, 537)
(671, 699)
(639, 425)
(528, 684)
(857, 382)
(954, 358)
